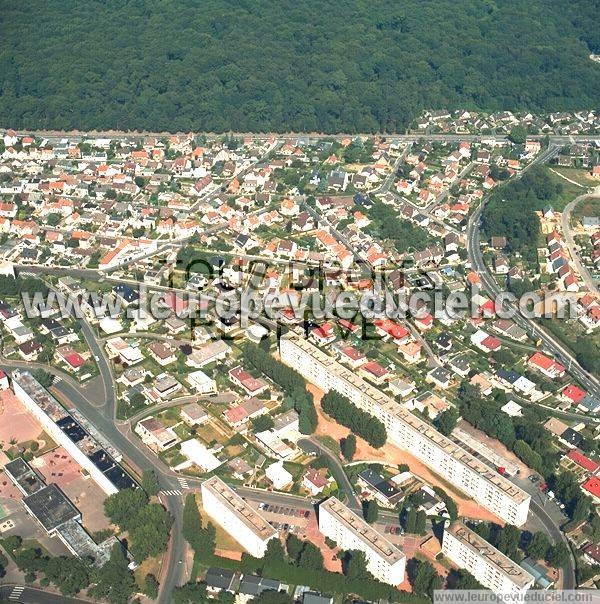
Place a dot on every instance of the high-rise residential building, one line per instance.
(236, 517)
(384, 560)
(489, 566)
(407, 431)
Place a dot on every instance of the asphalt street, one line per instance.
(488, 281)
(30, 595)
(568, 236)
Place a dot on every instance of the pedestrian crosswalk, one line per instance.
(183, 483)
(15, 594)
(172, 492)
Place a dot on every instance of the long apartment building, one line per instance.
(488, 565)
(87, 450)
(409, 432)
(236, 517)
(384, 560)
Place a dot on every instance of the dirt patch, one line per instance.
(17, 425)
(227, 553)
(391, 454)
(311, 533)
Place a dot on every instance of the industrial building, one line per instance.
(55, 513)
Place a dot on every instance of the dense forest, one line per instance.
(511, 209)
(291, 65)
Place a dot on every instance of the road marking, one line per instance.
(184, 483)
(15, 594)
(172, 492)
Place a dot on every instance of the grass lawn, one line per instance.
(148, 566)
(568, 194)
(330, 443)
(589, 207)
(223, 540)
(580, 175)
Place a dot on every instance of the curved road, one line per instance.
(312, 445)
(591, 383)
(565, 356)
(104, 419)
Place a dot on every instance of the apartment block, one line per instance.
(488, 565)
(384, 560)
(236, 517)
(409, 432)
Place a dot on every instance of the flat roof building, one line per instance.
(24, 477)
(489, 566)
(236, 517)
(51, 508)
(384, 560)
(86, 446)
(55, 513)
(409, 432)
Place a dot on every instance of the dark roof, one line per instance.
(27, 478)
(126, 292)
(51, 507)
(461, 362)
(572, 437)
(509, 376)
(443, 340)
(590, 402)
(254, 586)
(50, 323)
(241, 239)
(219, 578)
(377, 482)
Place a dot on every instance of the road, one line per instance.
(556, 536)
(103, 417)
(56, 135)
(536, 332)
(31, 595)
(572, 247)
(312, 445)
(344, 240)
(488, 281)
(299, 502)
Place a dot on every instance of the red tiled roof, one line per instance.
(585, 462)
(574, 393)
(74, 359)
(398, 332)
(543, 362)
(592, 486)
(375, 369)
(491, 343)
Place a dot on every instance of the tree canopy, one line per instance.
(147, 524)
(511, 210)
(293, 65)
(358, 421)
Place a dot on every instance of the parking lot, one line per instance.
(285, 518)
